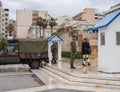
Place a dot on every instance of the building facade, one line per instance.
(4, 21)
(109, 43)
(62, 20)
(26, 18)
(113, 9)
(89, 14)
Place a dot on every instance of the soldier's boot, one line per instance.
(55, 62)
(72, 67)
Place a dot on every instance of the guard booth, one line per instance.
(55, 38)
(109, 43)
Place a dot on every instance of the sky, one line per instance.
(57, 8)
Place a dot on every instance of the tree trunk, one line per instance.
(43, 33)
(36, 32)
(40, 32)
(51, 30)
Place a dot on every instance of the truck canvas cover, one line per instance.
(33, 46)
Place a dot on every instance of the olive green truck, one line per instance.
(22, 51)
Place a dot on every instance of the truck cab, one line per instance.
(9, 55)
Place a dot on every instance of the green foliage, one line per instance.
(0, 46)
(54, 33)
(3, 42)
(60, 29)
(79, 55)
(42, 23)
(39, 21)
(10, 28)
(52, 23)
(67, 54)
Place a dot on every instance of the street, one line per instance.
(14, 77)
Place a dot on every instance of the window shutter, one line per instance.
(118, 38)
(102, 38)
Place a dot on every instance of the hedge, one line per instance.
(67, 54)
(0, 47)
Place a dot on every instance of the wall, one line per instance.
(88, 14)
(108, 55)
(24, 21)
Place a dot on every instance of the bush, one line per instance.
(0, 47)
(67, 54)
(3, 42)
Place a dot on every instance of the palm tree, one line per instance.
(39, 23)
(52, 23)
(44, 25)
(10, 28)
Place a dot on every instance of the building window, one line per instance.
(102, 38)
(6, 9)
(5, 35)
(2, 33)
(118, 38)
(6, 19)
(6, 14)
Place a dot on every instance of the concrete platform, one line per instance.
(59, 77)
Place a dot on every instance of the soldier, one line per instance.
(86, 51)
(54, 50)
(73, 52)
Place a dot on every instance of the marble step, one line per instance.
(76, 80)
(100, 76)
(65, 81)
(44, 77)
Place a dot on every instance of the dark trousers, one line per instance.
(72, 59)
(53, 58)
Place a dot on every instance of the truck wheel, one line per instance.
(34, 64)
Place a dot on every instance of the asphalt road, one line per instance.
(65, 90)
(14, 77)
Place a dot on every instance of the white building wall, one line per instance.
(109, 54)
(63, 20)
(44, 14)
(4, 21)
(24, 21)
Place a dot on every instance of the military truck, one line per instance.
(22, 51)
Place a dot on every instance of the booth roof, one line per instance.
(55, 38)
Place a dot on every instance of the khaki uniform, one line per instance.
(54, 50)
(73, 51)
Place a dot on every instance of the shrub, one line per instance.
(67, 54)
(0, 47)
(3, 42)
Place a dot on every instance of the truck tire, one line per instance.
(34, 64)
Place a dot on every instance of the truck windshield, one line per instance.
(10, 49)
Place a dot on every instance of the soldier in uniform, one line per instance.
(73, 52)
(54, 50)
(86, 51)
